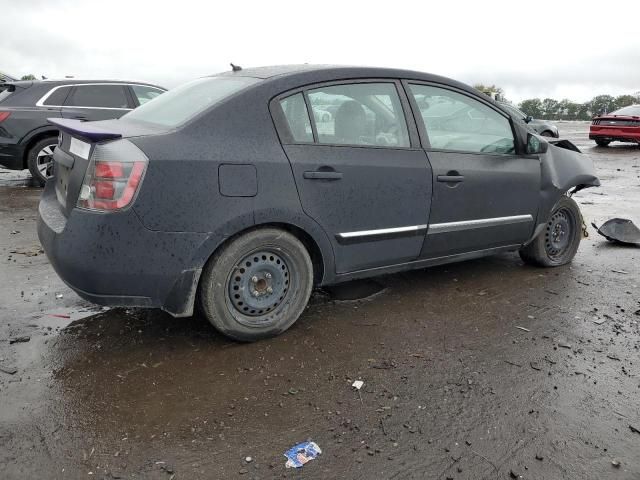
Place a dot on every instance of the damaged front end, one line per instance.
(564, 170)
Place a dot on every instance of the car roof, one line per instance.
(309, 73)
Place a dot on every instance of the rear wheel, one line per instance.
(558, 243)
(256, 286)
(603, 143)
(40, 159)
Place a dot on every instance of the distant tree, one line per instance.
(28, 77)
(602, 104)
(625, 101)
(489, 89)
(584, 112)
(532, 107)
(550, 108)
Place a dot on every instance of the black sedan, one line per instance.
(229, 193)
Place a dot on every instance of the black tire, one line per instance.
(257, 285)
(603, 143)
(37, 156)
(558, 243)
(547, 133)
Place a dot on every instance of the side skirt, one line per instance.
(423, 263)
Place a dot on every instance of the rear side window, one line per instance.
(57, 96)
(176, 106)
(101, 96)
(295, 111)
(359, 114)
(457, 122)
(145, 93)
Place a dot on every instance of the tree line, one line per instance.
(565, 109)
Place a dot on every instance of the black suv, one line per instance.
(27, 139)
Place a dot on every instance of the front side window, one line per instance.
(295, 111)
(144, 93)
(457, 122)
(101, 96)
(176, 106)
(359, 114)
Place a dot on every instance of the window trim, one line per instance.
(286, 137)
(422, 130)
(40, 103)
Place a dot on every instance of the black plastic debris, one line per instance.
(619, 230)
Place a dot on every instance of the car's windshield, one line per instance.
(632, 111)
(184, 102)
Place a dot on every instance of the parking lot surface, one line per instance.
(483, 369)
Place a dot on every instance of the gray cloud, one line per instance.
(168, 43)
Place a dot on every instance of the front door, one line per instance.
(357, 173)
(485, 194)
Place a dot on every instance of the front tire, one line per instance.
(558, 243)
(548, 133)
(256, 286)
(40, 159)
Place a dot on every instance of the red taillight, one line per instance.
(109, 170)
(4, 116)
(111, 185)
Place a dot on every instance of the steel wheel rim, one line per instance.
(559, 233)
(257, 286)
(44, 160)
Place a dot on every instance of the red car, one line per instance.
(622, 125)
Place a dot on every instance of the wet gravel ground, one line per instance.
(479, 370)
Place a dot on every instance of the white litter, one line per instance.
(358, 384)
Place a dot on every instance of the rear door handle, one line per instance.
(451, 178)
(320, 175)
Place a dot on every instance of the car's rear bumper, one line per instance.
(621, 134)
(11, 156)
(113, 260)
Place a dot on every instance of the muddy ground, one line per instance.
(478, 370)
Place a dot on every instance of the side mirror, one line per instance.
(528, 119)
(536, 146)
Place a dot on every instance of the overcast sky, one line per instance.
(560, 49)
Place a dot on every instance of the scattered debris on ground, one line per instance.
(19, 339)
(619, 230)
(301, 454)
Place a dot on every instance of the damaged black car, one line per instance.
(240, 192)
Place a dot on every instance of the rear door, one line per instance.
(485, 192)
(97, 101)
(358, 169)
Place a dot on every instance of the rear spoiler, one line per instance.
(86, 130)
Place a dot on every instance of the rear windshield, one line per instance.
(184, 102)
(632, 111)
(5, 91)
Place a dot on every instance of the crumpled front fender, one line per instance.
(563, 167)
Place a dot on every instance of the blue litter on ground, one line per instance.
(302, 453)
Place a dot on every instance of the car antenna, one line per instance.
(235, 68)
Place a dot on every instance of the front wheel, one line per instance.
(256, 286)
(547, 133)
(558, 243)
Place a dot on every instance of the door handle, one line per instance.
(451, 177)
(320, 175)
